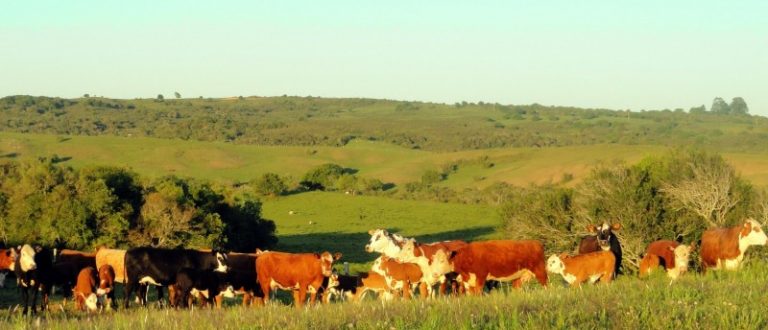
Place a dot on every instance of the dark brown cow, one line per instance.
(399, 275)
(85, 290)
(498, 260)
(300, 273)
(725, 247)
(667, 254)
(583, 267)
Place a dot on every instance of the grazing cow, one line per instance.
(399, 275)
(114, 258)
(203, 284)
(501, 260)
(578, 269)
(159, 267)
(33, 270)
(603, 239)
(670, 255)
(725, 247)
(106, 288)
(85, 290)
(290, 271)
(241, 278)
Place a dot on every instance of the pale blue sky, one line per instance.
(612, 54)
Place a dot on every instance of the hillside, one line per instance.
(311, 121)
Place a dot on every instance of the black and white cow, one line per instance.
(203, 284)
(33, 270)
(146, 265)
(603, 239)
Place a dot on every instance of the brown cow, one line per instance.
(7, 260)
(583, 267)
(501, 260)
(399, 275)
(603, 238)
(300, 272)
(725, 247)
(668, 254)
(85, 290)
(106, 285)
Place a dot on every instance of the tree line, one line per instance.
(47, 203)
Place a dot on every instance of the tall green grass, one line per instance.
(734, 300)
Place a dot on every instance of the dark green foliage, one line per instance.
(322, 177)
(720, 107)
(45, 203)
(270, 184)
(739, 106)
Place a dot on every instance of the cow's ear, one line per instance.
(453, 254)
(370, 232)
(337, 256)
(591, 228)
(616, 226)
(746, 229)
(563, 255)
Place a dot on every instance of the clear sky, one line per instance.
(613, 54)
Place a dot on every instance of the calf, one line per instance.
(372, 282)
(603, 239)
(159, 267)
(725, 247)
(578, 269)
(342, 286)
(85, 290)
(290, 271)
(501, 260)
(399, 275)
(115, 259)
(203, 284)
(106, 285)
(670, 255)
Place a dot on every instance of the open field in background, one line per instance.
(733, 300)
(226, 162)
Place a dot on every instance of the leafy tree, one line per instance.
(160, 97)
(739, 106)
(177, 95)
(431, 177)
(720, 107)
(270, 184)
(322, 177)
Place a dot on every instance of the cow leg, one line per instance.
(423, 290)
(265, 289)
(312, 297)
(302, 296)
(127, 290)
(606, 278)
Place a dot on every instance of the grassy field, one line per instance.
(734, 300)
(228, 162)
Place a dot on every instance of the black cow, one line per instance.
(201, 283)
(603, 240)
(159, 267)
(342, 286)
(240, 282)
(33, 269)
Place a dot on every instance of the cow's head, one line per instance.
(326, 262)
(555, 263)
(91, 302)
(221, 262)
(752, 234)
(384, 242)
(441, 263)
(604, 233)
(7, 259)
(26, 258)
(682, 255)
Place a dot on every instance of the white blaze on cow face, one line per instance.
(221, 262)
(91, 302)
(754, 236)
(384, 243)
(326, 262)
(555, 265)
(682, 256)
(27, 258)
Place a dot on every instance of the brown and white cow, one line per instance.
(106, 290)
(723, 248)
(372, 282)
(500, 260)
(399, 275)
(670, 255)
(603, 238)
(578, 269)
(431, 257)
(85, 290)
(299, 272)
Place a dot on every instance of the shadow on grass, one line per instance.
(352, 245)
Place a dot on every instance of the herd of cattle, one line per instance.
(403, 267)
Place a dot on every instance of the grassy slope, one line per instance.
(234, 162)
(715, 301)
